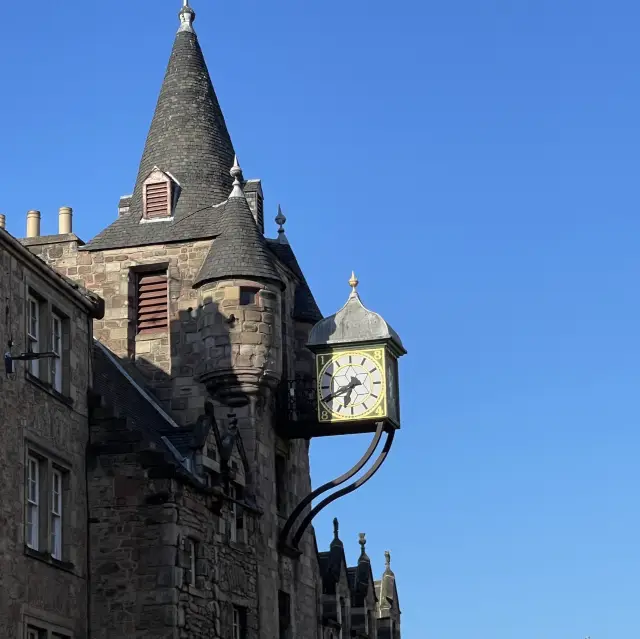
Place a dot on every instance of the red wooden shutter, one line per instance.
(157, 199)
(152, 302)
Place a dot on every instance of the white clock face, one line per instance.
(351, 385)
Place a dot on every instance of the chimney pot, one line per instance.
(33, 224)
(3, 221)
(65, 221)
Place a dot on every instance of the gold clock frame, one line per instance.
(378, 411)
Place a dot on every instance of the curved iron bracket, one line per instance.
(284, 535)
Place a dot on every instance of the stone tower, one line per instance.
(204, 315)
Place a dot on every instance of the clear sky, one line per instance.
(476, 163)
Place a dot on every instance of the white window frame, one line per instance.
(32, 518)
(234, 534)
(45, 631)
(238, 628)
(57, 348)
(33, 333)
(56, 513)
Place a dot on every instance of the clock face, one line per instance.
(351, 385)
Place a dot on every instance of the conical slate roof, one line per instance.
(188, 139)
(240, 250)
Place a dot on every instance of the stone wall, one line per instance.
(216, 341)
(53, 428)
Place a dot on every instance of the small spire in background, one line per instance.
(280, 221)
(353, 283)
(336, 527)
(187, 17)
(363, 542)
(387, 560)
(236, 174)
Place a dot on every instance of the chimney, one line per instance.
(3, 221)
(255, 198)
(33, 224)
(64, 220)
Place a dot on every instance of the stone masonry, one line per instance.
(51, 428)
(166, 433)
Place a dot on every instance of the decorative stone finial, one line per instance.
(336, 527)
(236, 174)
(187, 17)
(280, 221)
(353, 283)
(363, 542)
(387, 560)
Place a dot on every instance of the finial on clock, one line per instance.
(353, 282)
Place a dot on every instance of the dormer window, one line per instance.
(157, 195)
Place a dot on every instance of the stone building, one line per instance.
(189, 478)
(44, 425)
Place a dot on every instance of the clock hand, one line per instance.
(343, 389)
(347, 397)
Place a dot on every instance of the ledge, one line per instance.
(45, 557)
(47, 388)
(50, 239)
(146, 337)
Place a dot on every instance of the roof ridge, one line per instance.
(121, 369)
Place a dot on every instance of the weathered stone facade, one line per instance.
(180, 476)
(43, 583)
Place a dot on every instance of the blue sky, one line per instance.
(476, 164)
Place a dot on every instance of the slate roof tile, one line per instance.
(240, 250)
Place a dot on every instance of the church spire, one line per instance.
(188, 137)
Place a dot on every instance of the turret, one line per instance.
(240, 292)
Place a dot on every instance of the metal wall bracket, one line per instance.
(291, 547)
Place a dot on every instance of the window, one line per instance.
(152, 302)
(33, 333)
(56, 514)
(191, 552)
(56, 347)
(239, 622)
(238, 531)
(47, 331)
(210, 478)
(44, 504)
(38, 632)
(284, 614)
(33, 503)
(248, 296)
(281, 470)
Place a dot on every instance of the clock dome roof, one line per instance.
(353, 324)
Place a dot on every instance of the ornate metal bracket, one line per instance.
(297, 536)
